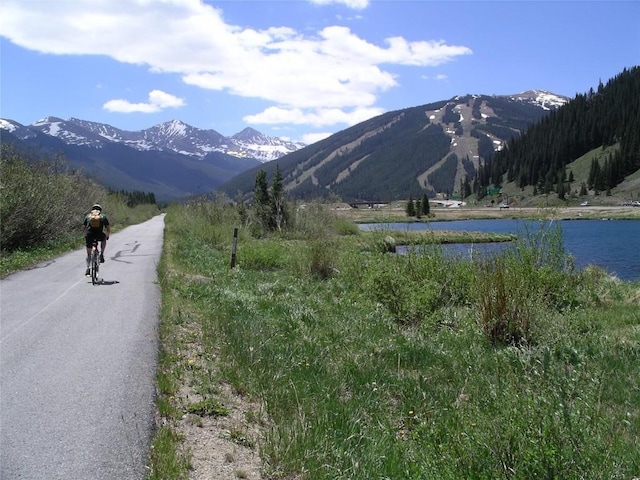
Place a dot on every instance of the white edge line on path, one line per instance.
(39, 312)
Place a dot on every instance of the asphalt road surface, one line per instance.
(78, 363)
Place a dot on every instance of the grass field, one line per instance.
(330, 359)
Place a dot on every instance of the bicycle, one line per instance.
(95, 262)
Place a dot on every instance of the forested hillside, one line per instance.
(429, 149)
(607, 117)
(379, 157)
(471, 145)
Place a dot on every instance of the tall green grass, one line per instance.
(377, 365)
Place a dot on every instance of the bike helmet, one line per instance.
(96, 207)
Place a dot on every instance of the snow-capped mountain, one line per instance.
(546, 100)
(16, 129)
(250, 142)
(175, 160)
(174, 136)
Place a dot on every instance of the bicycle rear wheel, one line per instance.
(95, 267)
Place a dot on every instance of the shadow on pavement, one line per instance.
(105, 282)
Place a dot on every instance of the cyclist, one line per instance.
(95, 224)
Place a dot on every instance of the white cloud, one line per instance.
(158, 100)
(310, 138)
(355, 4)
(164, 100)
(329, 75)
(319, 117)
(440, 76)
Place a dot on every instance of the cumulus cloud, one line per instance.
(315, 78)
(318, 117)
(310, 138)
(158, 100)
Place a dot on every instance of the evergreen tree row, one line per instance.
(418, 208)
(136, 197)
(269, 203)
(606, 117)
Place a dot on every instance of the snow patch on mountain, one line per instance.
(7, 125)
(546, 100)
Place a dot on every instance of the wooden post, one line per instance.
(233, 247)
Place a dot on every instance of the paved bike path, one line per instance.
(77, 363)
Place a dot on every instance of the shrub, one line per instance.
(43, 204)
(322, 257)
(210, 221)
(415, 285)
(41, 199)
(517, 287)
(264, 255)
(504, 306)
(313, 220)
(345, 227)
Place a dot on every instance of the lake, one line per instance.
(613, 245)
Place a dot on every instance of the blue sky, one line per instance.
(297, 69)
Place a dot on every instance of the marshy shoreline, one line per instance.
(395, 212)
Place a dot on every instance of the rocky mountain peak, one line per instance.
(248, 134)
(172, 129)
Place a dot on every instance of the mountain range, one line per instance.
(174, 136)
(172, 159)
(431, 147)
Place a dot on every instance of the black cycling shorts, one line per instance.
(100, 236)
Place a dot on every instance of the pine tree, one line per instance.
(426, 209)
(560, 189)
(465, 188)
(599, 181)
(261, 200)
(411, 208)
(277, 200)
(242, 208)
(595, 174)
(583, 189)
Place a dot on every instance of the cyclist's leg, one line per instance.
(103, 245)
(89, 245)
